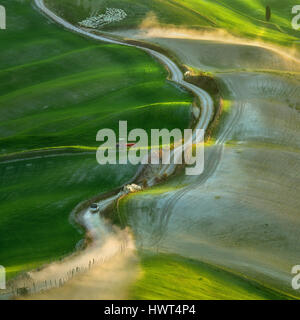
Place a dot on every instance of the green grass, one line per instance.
(245, 18)
(172, 277)
(57, 90)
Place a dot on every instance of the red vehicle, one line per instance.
(127, 145)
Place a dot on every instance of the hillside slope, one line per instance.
(240, 18)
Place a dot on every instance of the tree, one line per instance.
(268, 13)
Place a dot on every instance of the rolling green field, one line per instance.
(57, 90)
(36, 198)
(239, 17)
(172, 277)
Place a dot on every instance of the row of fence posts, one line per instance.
(30, 287)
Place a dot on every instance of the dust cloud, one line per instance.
(150, 27)
(104, 270)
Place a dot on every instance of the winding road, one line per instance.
(109, 244)
(176, 75)
(207, 108)
(219, 218)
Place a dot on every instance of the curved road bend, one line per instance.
(207, 107)
(202, 123)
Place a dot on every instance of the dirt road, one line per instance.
(109, 265)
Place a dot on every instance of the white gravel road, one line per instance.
(112, 252)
